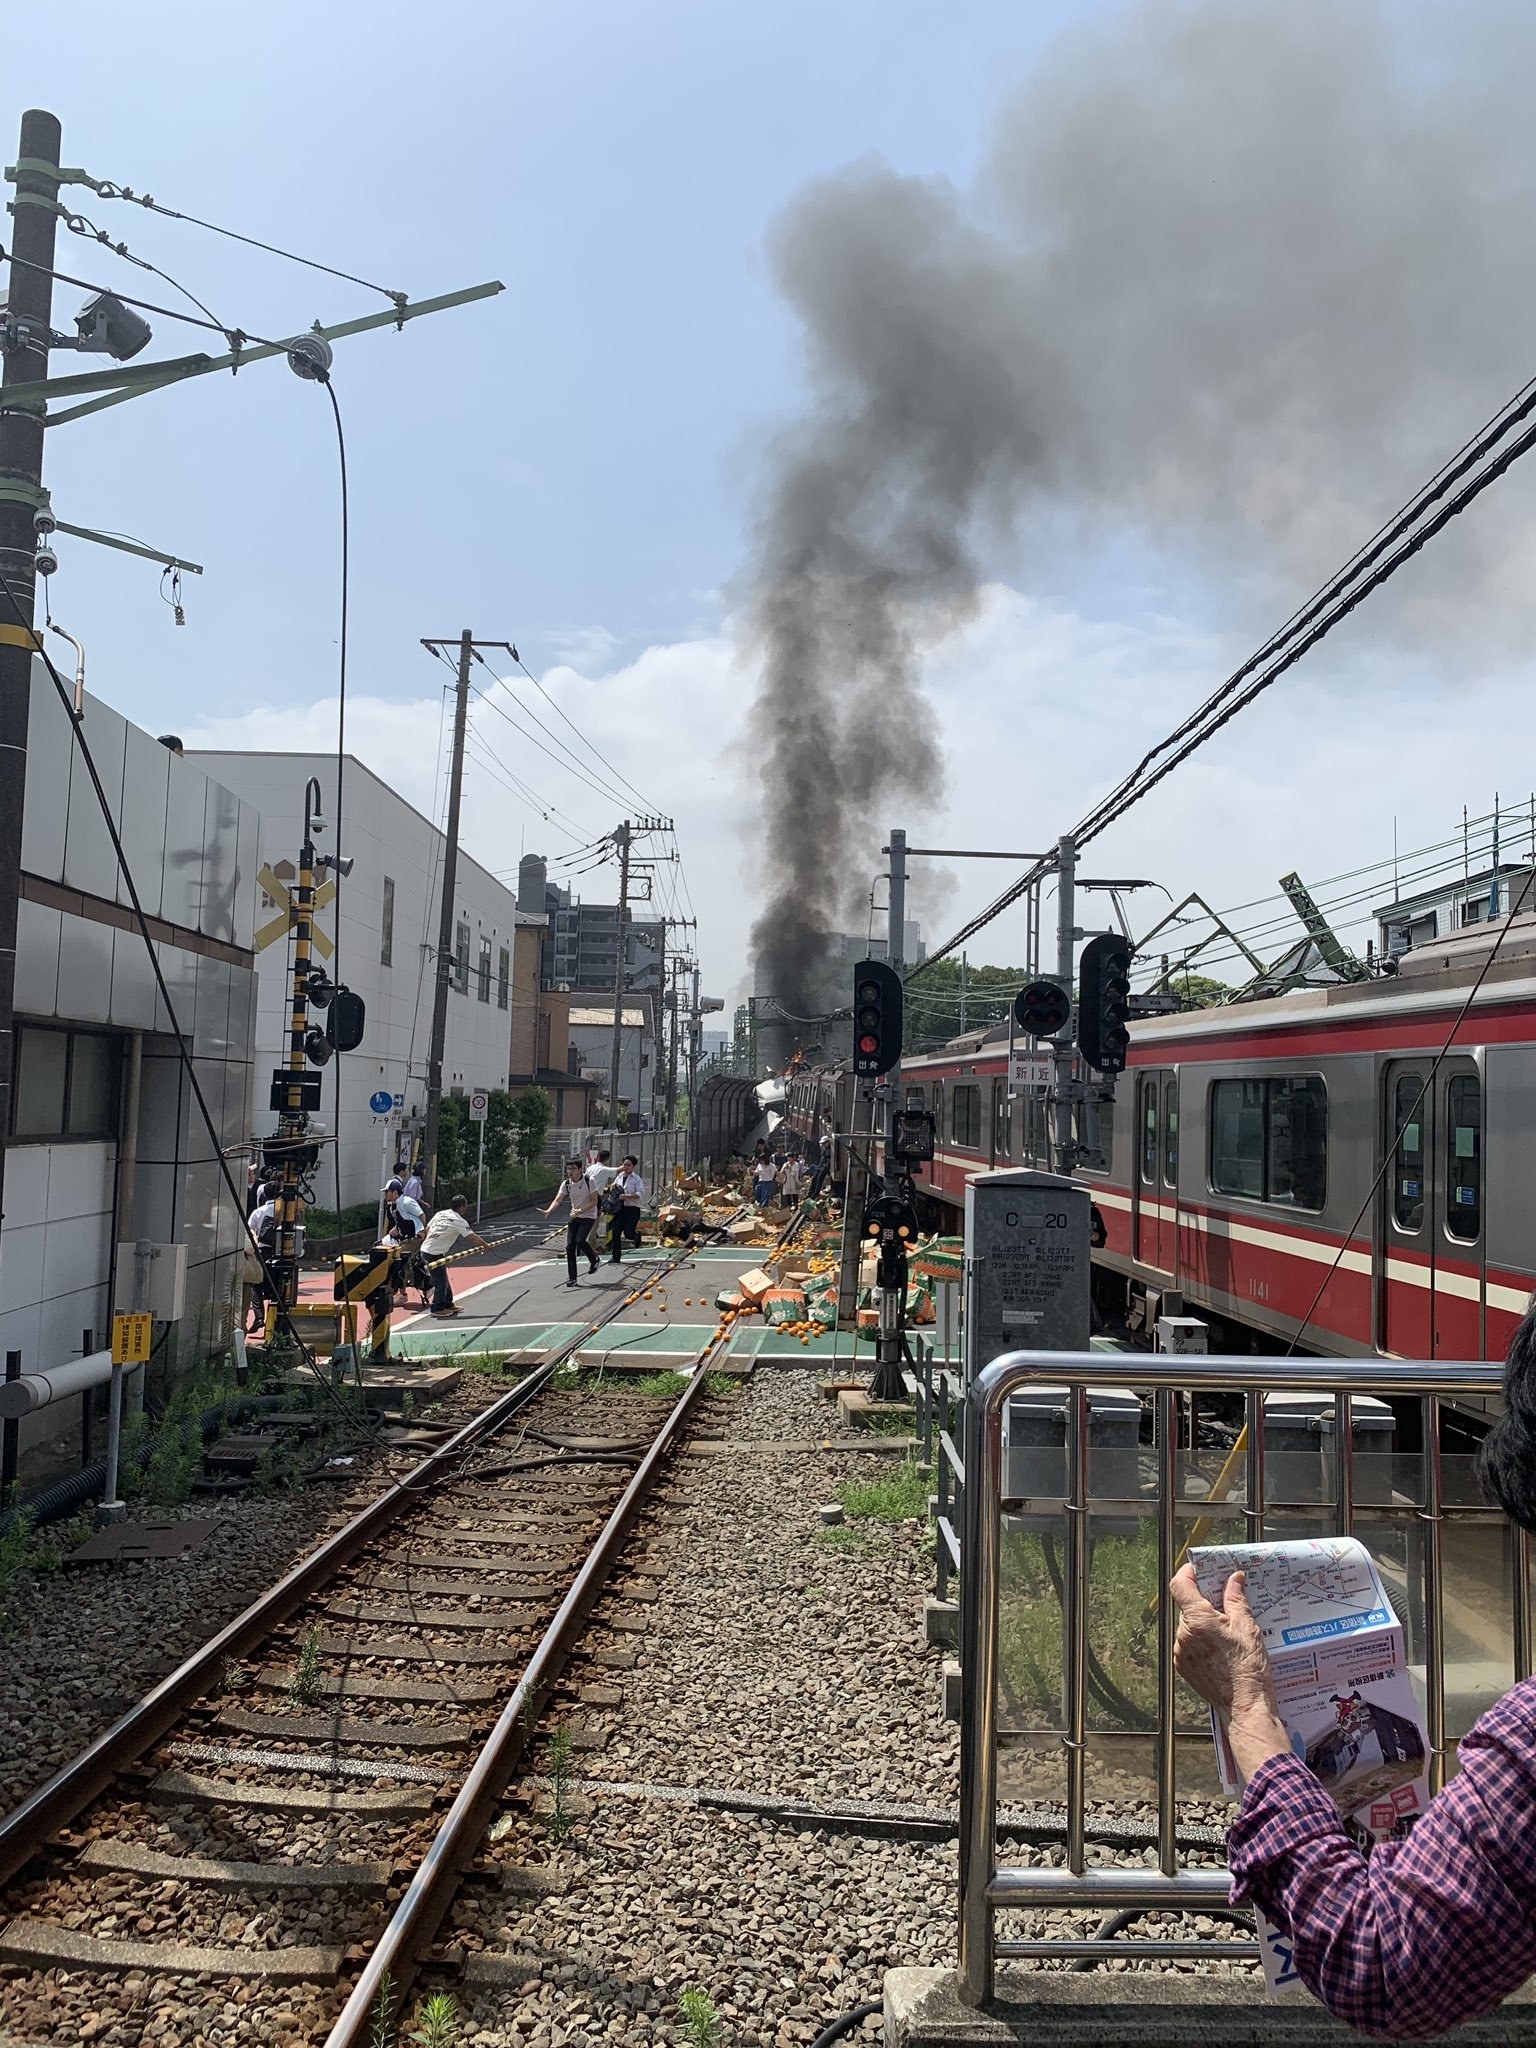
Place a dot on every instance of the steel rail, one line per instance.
(397, 1954)
(57, 1801)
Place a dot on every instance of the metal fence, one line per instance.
(658, 1151)
(1417, 1509)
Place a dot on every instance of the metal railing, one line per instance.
(1176, 1504)
(657, 1151)
(938, 1399)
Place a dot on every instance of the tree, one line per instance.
(453, 1122)
(500, 1126)
(531, 1114)
(1197, 991)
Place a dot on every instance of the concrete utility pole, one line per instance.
(1066, 935)
(621, 841)
(445, 916)
(28, 312)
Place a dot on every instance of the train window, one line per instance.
(1296, 1169)
(1464, 1157)
(1408, 1163)
(1149, 1131)
(965, 1118)
(1171, 1132)
(1269, 1140)
(917, 1098)
(1237, 1138)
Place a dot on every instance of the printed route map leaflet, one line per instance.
(1341, 1682)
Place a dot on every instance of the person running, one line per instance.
(577, 1190)
(630, 1189)
(444, 1231)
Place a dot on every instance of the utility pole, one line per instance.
(466, 644)
(28, 312)
(695, 1029)
(444, 974)
(621, 840)
(1066, 934)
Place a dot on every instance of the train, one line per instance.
(1348, 1169)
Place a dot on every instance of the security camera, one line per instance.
(316, 822)
(310, 356)
(105, 326)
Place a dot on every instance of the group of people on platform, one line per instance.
(594, 1190)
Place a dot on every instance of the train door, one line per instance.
(1170, 1221)
(1149, 1246)
(1432, 1211)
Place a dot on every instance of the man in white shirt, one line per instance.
(626, 1220)
(443, 1234)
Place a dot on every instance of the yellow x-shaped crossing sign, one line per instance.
(279, 927)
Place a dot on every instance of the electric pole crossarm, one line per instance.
(125, 382)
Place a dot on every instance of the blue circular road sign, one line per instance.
(381, 1102)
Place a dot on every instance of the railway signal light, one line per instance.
(1104, 1001)
(344, 1021)
(876, 1017)
(1042, 1009)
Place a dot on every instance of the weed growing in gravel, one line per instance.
(15, 1541)
(304, 1687)
(490, 1364)
(438, 2022)
(664, 1386)
(899, 1496)
(701, 2023)
(381, 2024)
(722, 1385)
(840, 1537)
(891, 1425)
(560, 1819)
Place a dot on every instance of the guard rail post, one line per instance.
(1171, 1886)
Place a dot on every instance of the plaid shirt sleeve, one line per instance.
(1428, 1931)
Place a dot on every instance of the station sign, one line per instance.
(1029, 1070)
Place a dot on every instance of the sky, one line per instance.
(576, 465)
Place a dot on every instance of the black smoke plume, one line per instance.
(1233, 279)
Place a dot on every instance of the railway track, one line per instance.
(279, 1827)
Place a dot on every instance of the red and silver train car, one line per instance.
(1244, 1143)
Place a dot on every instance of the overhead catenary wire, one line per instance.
(105, 188)
(1449, 492)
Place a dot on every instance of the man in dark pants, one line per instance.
(443, 1234)
(626, 1217)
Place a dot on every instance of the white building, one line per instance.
(592, 1040)
(106, 1143)
(383, 924)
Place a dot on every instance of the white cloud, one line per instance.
(1042, 711)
